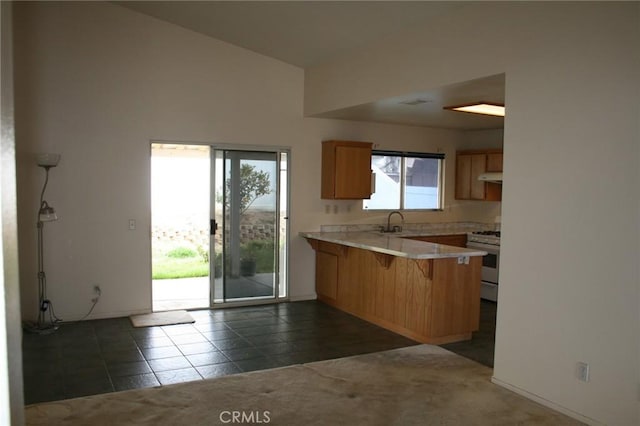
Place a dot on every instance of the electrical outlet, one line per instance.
(98, 292)
(582, 371)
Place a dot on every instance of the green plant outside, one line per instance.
(262, 252)
(181, 253)
(182, 262)
(170, 270)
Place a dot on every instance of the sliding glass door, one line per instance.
(250, 218)
(219, 226)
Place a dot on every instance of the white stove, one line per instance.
(488, 241)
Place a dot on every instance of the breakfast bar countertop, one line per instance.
(394, 245)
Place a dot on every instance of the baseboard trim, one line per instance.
(546, 403)
(118, 314)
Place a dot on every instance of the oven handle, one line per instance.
(489, 248)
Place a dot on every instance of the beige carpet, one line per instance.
(161, 318)
(419, 385)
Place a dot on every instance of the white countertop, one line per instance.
(394, 245)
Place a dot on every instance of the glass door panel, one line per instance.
(248, 211)
(283, 221)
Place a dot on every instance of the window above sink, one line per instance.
(406, 181)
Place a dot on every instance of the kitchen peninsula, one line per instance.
(425, 291)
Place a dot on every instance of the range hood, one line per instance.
(491, 177)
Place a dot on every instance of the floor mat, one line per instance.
(161, 318)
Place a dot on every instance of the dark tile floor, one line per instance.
(101, 356)
(481, 347)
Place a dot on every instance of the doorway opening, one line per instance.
(219, 225)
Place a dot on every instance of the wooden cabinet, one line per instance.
(327, 268)
(432, 301)
(494, 162)
(468, 168)
(346, 170)
(456, 240)
(470, 165)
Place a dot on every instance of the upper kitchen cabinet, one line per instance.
(346, 170)
(470, 165)
(494, 161)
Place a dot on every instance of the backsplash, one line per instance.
(426, 228)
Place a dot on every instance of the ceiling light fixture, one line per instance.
(486, 108)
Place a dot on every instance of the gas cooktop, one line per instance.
(485, 237)
(494, 233)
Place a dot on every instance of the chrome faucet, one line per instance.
(396, 228)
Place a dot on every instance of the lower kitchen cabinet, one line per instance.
(429, 300)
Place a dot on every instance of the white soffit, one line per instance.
(425, 108)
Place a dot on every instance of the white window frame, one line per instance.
(403, 179)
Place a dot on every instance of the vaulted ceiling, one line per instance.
(308, 33)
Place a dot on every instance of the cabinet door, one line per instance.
(478, 166)
(346, 170)
(471, 164)
(494, 162)
(327, 275)
(468, 168)
(353, 172)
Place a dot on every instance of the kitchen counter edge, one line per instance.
(392, 245)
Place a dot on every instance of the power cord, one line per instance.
(47, 304)
(95, 301)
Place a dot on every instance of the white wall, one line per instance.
(11, 398)
(569, 288)
(97, 82)
(410, 138)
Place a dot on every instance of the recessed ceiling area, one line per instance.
(425, 108)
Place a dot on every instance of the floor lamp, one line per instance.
(46, 213)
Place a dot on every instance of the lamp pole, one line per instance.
(46, 213)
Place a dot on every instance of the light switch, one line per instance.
(132, 224)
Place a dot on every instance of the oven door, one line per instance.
(490, 262)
